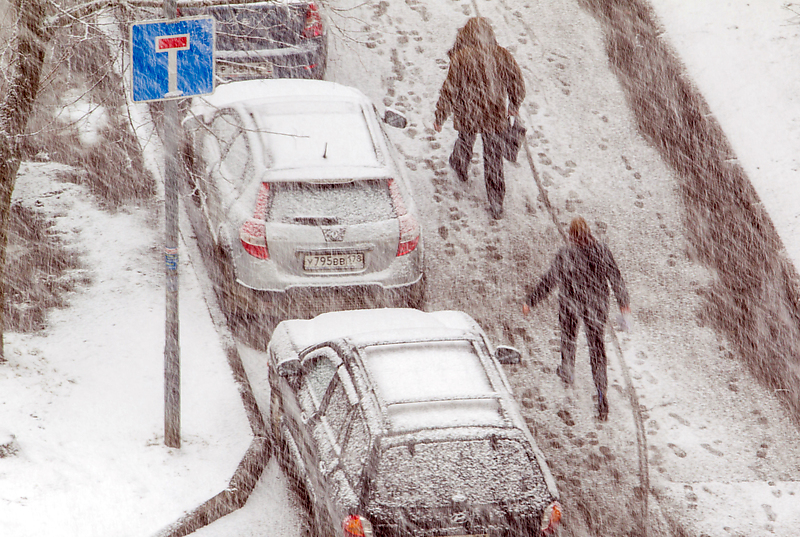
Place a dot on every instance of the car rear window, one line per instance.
(256, 26)
(343, 204)
(315, 133)
(430, 474)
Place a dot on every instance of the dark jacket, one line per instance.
(583, 274)
(482, 75)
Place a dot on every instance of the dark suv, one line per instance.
(274, 39)
(397, 422)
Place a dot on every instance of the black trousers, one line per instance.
(594, 323)
(492, 163)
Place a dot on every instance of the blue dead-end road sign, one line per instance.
(172, 59)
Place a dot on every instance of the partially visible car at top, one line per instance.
(402, 423)
(302, 191)
(272, 39)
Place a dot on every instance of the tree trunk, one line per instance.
(25, 71)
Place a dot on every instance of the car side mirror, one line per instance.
(507, 355)
(395, 119)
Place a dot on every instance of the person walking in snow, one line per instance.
(483, 88)
(583, 270)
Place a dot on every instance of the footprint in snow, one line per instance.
(566, 417)
(679, 419)
(711, 450)
(677, 450)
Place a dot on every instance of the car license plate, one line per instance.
(262, 69)
(333, 262)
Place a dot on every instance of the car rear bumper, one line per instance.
(309, 301)
(265, 275)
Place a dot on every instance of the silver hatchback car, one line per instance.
(302, 190)
(402, 423)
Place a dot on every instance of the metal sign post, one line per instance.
(172, 349)
(188, 45)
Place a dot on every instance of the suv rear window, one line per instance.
(430, 474)
(252, 27)
(341, 204)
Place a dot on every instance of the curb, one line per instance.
(257, 456)
(232, 498)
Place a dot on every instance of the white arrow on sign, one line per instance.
(171, 44)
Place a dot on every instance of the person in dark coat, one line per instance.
(483, 88)
(583, 271)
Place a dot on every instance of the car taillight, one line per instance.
(356, 526)
(409, 227)
(313, 26)
(253, 235)
(253, 232)
(409, 235)
(550, 518)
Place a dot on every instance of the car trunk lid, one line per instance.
(332, 228)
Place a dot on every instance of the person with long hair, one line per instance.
(482, 90)
(583, 270)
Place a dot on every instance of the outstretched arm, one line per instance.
(544, 286)
(617, 283)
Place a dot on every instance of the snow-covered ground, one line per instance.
(742, 55)
(81, 404)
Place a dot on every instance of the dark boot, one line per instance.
(460, 172)
(565, 374)
(462, 155)
(496, 211)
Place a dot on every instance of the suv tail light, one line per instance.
(253, 232)
(356, 526)
(409, 227)
(313, 25)
(550, 518)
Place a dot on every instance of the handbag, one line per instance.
(512, 138)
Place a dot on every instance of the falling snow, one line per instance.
(81, 431)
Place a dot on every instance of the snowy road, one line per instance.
(722, 453)
(716, 438)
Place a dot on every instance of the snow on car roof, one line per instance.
(311, 129)
(260, 90)
(432, 384)
(424, 365)
(292, 336)
(314, 132)
(426, 371)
